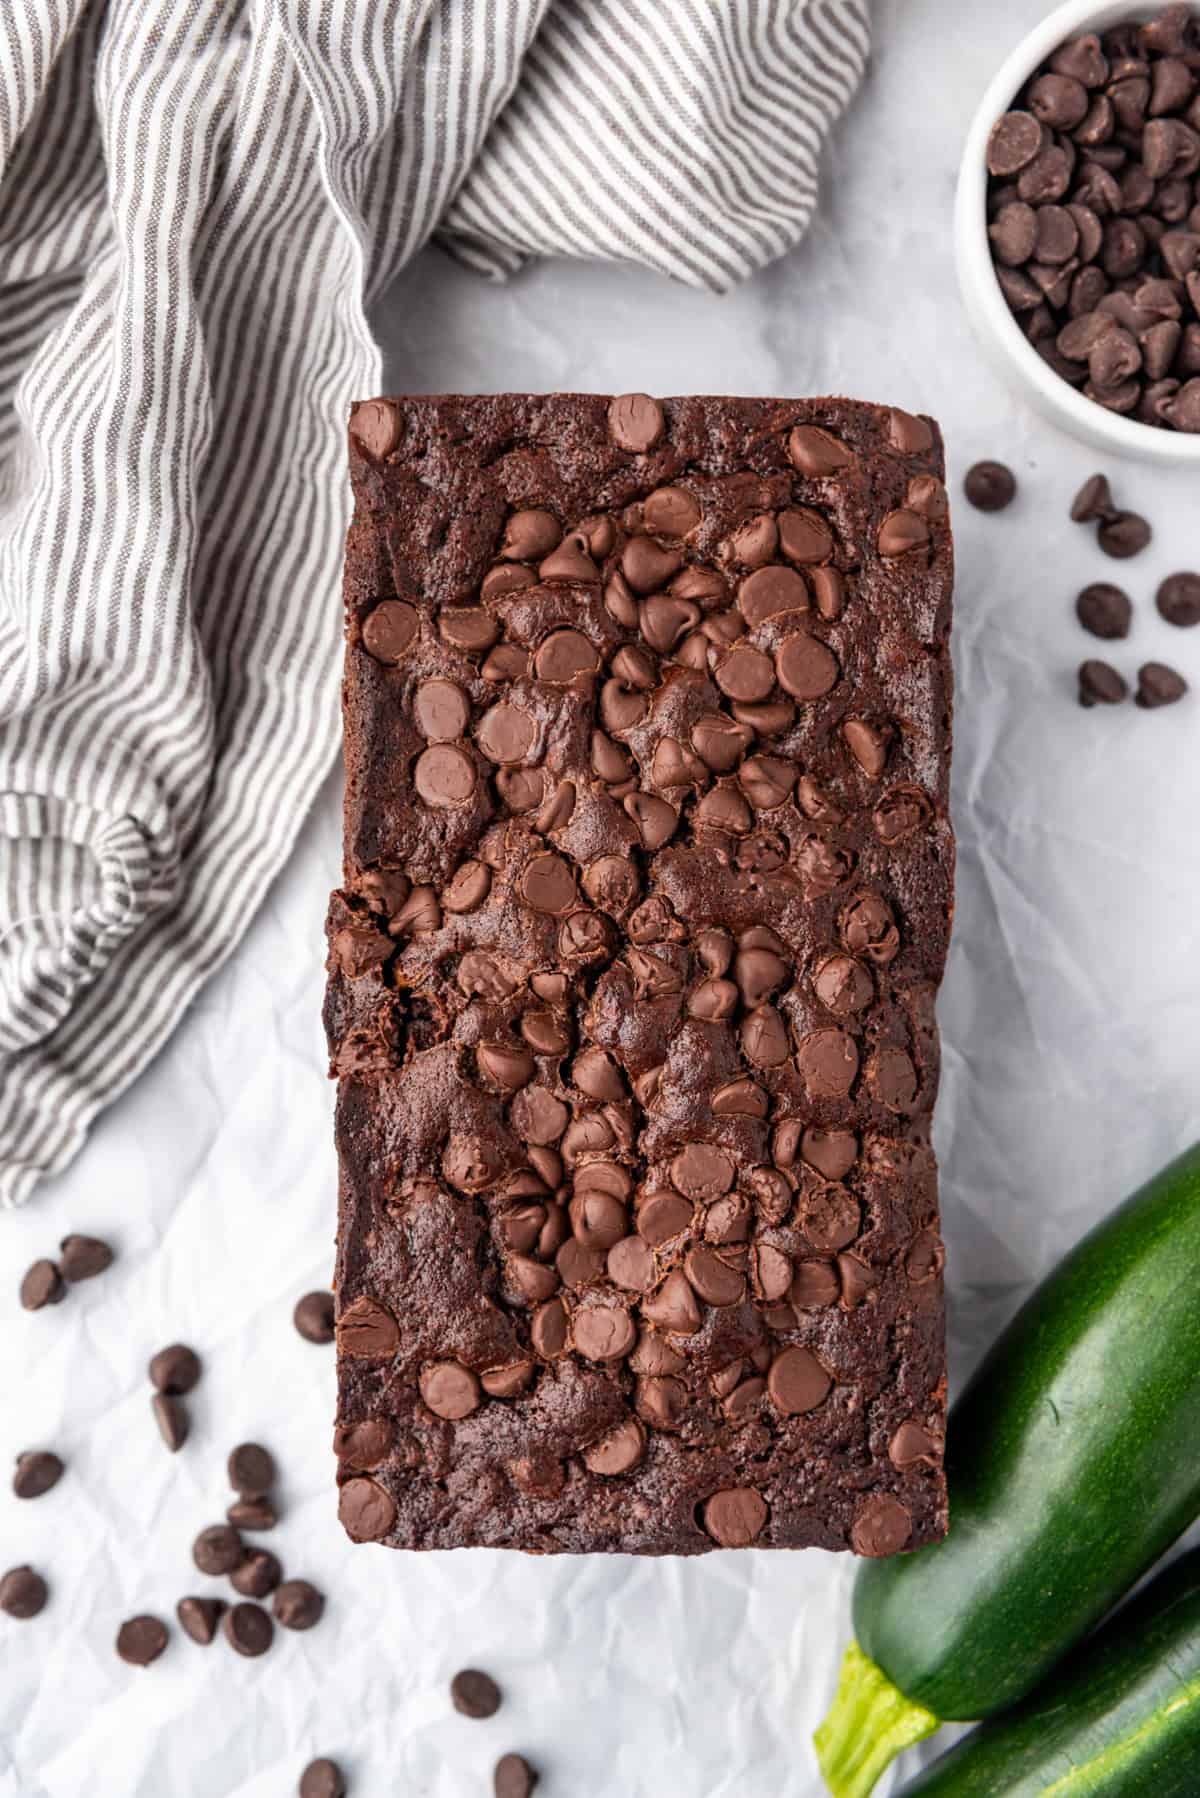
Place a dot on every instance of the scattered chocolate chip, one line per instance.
(37, 1471)
(174, 1370)
(322, 1779)
(42, 1285)
(1158, 685)
(990, 486)
(1124, 534)
(252, 1514)
(199, 1617)
(251, 1470)
(141, 1640)
(218, 1549)
(258, 1575)
(1178, 599)
(513, 1777)
(23, 1592)
(1104, 610)
(83, 1257)
(298, 1605)
(313, 1317)
(248, 1628)
(1100, 684)
(474, 1694)
(171, 1416)
(1093, 500)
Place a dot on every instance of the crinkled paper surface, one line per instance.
(1070, 1025)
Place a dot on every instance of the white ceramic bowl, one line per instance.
(998, 331)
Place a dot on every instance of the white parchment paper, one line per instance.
(1070, 1018)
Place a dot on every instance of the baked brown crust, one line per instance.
(647, 703)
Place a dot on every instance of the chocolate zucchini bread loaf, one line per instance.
(647, 891)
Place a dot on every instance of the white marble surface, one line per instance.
(1070, 1020)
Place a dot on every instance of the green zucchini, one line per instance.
(1119, 1719)
(1073, 1461)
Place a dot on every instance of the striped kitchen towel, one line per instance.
(199, 199)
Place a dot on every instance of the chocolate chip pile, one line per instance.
(1094, 209)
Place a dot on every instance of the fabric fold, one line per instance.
(198, 201)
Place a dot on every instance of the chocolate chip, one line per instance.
(804, 537)
(815, 1286)
(174, 1370)
(376, 425)
(390, 630)
(912, 1445)
(83, 1257)
(892, 1077)
(297, 1604)
(806, 668)
(322, 1779)
(735, 1517)
(815, 452)
(530, 534)
(449, 1389)
(474, 1694)
(366, 1510)
(37, 1471)
(218, 1549)
(171, 1416)
(882, 1527)
(23, 1593)
(141, 1640)
(444, 776)
(441, 710)
(248, 1629)
(797, 1382)
(252, 1514)
(1158, 685)
(635, 422)
(251, 1468)
(365, 1329)
(900, 532)
(1100, 684)
(513, 1777)
(1178, 599)
(42, 1285)
(1093, 500)
(1013, 143)
(467, 628)
(990, 486)
(199, 1617)
(670, 512)
(1124, 534)
(313, 1317)
(571, 561)
(1104, 610)
(258, 1574)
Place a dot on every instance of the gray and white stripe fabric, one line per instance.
(199, 199)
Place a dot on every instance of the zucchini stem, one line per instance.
(870, 1721)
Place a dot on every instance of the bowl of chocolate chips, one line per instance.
(1078, 225)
